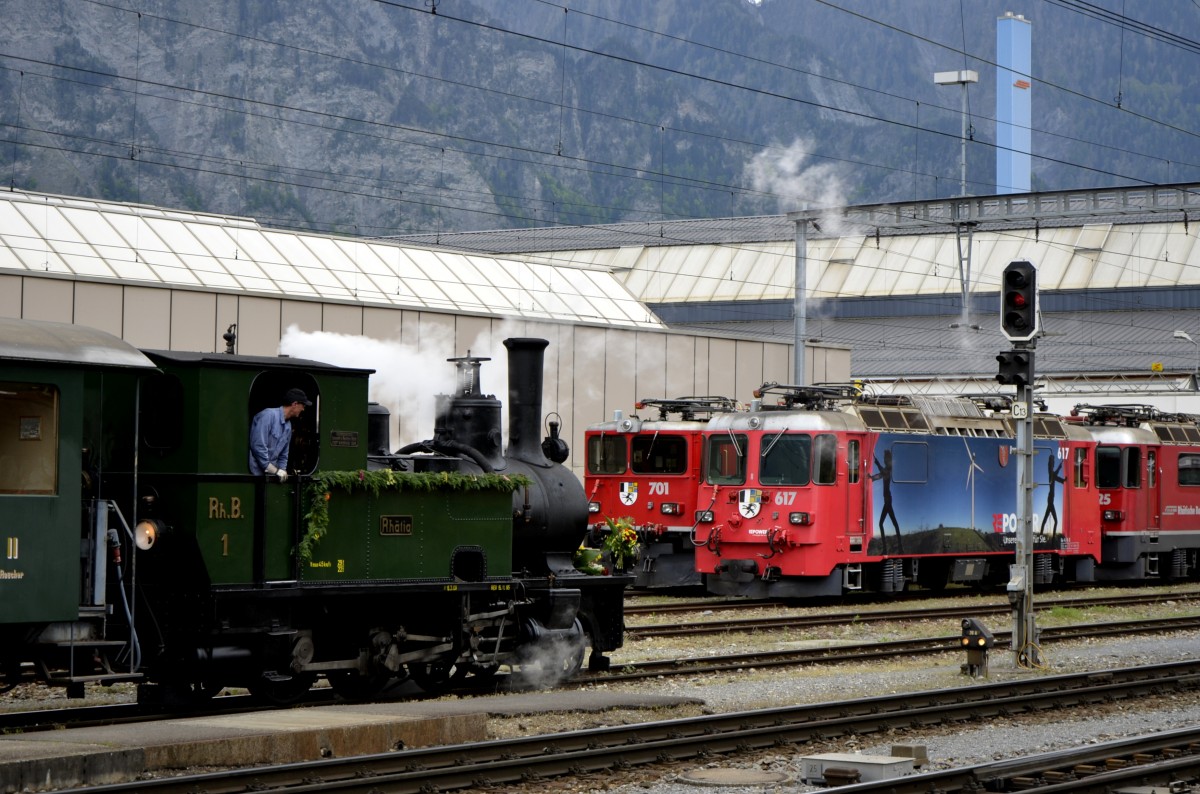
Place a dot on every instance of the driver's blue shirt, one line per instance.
(270, 436)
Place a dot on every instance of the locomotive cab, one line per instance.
(1149, 490)
(648, 471)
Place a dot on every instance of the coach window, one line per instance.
(726, 459)
(853, 459)
(785, 459)
(1151, 469)
(28, 438)
(606, 455)
(1189, 469)
(659, 454)
(825, 459)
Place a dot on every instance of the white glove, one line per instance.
(278, 472)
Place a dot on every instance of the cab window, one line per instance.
(1118, 467)
(1133, 467)
(659, 454)
(825, 459)
(1079, 467)
(606, 455)
(726, 456)
(1108, 467)
(28, 438)
(853, 461)
(785, 459)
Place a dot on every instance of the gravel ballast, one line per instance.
(952, 746)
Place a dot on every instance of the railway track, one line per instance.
(578, 753)
(842, 653)
(1168, 761)
(854, 652)
(809, 620)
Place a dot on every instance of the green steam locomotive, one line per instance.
(140, 547)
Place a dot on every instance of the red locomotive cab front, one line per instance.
(1128, 493)
(647, 478)
(645, 473)
(781, 506)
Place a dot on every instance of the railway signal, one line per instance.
(1018, 301)
(976, 640)
(1016, 368)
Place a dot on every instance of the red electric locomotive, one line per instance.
(819, 491)
(647, 470)
(1148, 474)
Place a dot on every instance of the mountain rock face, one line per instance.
(374, 118)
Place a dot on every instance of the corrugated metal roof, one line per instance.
(926, 346)
(91, 239)
(1094, 256)
(1111, 238)
(1102, 239)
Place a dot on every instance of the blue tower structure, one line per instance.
(1014, 106)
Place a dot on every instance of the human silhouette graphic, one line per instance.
(1055, 476)
(885, 473)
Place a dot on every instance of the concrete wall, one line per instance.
(589, 371)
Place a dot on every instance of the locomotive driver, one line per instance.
(271, 435)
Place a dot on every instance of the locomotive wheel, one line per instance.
(549, 664)
(353, 686)
(282, 692)
(571, 661)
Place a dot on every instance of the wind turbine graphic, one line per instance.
(974, 467)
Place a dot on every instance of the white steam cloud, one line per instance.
(406, 379)
(790, 175)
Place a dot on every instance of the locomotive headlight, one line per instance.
(802, 519)
(704, 516)
(146, 533)
(1114, 515)
(593, 507)
(672, 508)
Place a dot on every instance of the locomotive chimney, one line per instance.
(525, 399)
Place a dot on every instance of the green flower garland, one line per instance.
(320, 491)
